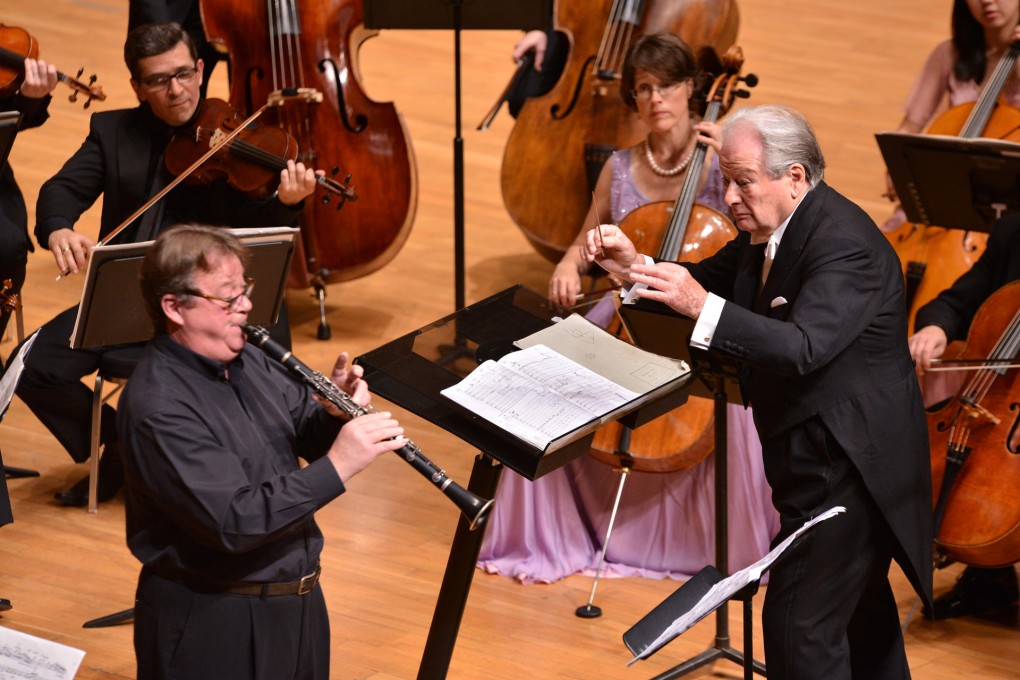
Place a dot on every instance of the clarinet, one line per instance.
(474, 508)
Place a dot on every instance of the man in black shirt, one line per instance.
(122, 161)
(219, 511)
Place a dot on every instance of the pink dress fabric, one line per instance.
(544, 530)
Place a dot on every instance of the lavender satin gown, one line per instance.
(544, 530)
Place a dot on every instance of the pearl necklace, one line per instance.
(658, 170)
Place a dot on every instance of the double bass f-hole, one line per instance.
(554, 110)
(360, 119)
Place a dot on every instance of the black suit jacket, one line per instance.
(827, 338)
(954, 308)
(121, 159)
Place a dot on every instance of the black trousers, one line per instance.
(51, 384)
(829, 609)
(184, 635)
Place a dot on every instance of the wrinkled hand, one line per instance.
(670, 284)
(927, 344)
(296, 183)
(536, 41)
(40, 79)
(70, 249)
(362, 440)
(613, 251)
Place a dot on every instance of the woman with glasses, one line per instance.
(665, 524)
(659, 79)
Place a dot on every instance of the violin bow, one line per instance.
(973, 364)
(177, 180)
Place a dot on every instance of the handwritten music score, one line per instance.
(26, 657)
(565, 377)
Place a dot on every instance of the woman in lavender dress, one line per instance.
(665, 527)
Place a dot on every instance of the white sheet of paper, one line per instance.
(728, 587)
(12, 374)
(26, 657)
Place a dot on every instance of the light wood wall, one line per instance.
(847, 66)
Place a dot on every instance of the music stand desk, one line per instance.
(410, 372)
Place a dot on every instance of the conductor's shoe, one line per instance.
(111, 478)
(976, 591)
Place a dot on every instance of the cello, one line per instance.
(687, 232)
(300, 57)
(562, 138)
(952, 251)
(975, 443)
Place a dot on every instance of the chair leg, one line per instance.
(97, 408)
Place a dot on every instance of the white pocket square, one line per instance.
(777, 301)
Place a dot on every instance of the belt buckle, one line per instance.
(307, 583)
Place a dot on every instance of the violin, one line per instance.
(688, 232)
(952, 251)
(975, 443)
(250, 162)
(563, 138)
(16, 45)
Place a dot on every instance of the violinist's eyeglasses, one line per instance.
(233, 303)
(162, 80)
(645, 91)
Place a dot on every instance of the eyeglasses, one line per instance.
(232, 302)
(645, 91)
(163, 80)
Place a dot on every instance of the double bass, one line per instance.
(300, 57)
(562, 138)
(952, 252)
(687, 232)
(975, 443)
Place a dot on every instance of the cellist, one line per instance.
(955, 70)
(122, 160)
(943, 320)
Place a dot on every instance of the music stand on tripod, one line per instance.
(657, 328)
(954, 182)
(457, 15)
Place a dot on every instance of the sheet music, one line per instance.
(26, 657)
(537, 394)
(728, 587)
(13, 373)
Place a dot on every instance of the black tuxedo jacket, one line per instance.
(827, 338)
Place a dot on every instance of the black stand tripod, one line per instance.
(715, 377)
(457, 15)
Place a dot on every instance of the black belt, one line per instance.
(302, 586)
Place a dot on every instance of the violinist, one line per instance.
(31, 100)
(943, 320)
(122, 160)
(955, 71)
(665, 512)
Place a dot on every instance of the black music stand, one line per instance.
(112, 313)
(657, 328)
(457, 15)
(953, 182)
(412, 370)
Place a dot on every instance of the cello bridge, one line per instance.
(309, 95)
